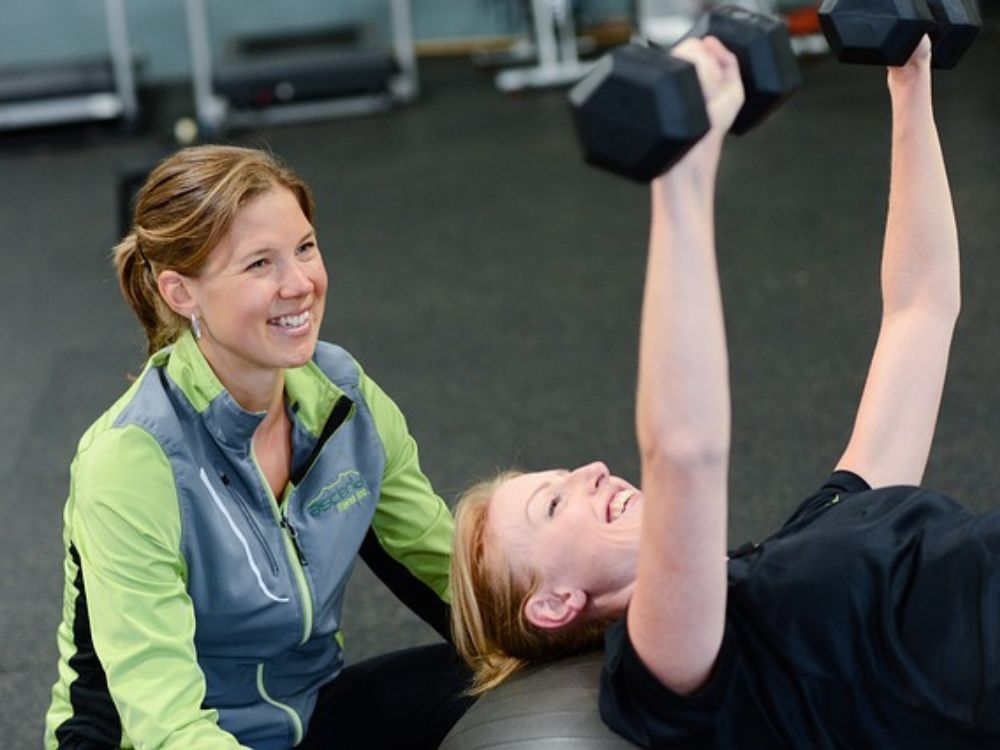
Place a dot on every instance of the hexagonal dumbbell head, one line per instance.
(875, 32)
(957, 24)
(638, 112)
(768, 66)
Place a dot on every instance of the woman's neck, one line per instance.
(273, 448)
(262, 392)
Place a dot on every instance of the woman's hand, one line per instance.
(721, 85)
(916, 69)
(719, 75)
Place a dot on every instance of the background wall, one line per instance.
(55, 30)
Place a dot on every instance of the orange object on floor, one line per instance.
(803, 21)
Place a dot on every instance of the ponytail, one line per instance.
(137, 281)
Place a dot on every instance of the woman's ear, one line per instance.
(176, 292)
(554, 608)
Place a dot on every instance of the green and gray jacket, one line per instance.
(198, 611)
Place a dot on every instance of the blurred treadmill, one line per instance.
(289, 86)
(80, 91)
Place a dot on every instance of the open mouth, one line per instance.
(619, 502)
(291, 322)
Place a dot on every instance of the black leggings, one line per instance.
(407, 699)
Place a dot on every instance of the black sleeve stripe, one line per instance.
(411, 591)
(95, 722)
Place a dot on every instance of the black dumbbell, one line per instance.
(886, 32)
(641, 109)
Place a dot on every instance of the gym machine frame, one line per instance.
(118, 102)
(558, 59)
(214, 112)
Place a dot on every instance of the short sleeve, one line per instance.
(838, 483)
(636, 705)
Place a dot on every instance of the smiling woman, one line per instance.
(216, 510)
(258, 299)
(489, 589)
(867, 620)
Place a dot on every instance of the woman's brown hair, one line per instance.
(182, 212)
(489, 627)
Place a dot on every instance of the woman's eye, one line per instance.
(259, 263)
(553, 504)
(307, 247)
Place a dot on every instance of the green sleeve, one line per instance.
(126, 528)
(411, 522)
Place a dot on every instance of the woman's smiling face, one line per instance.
(260, 296)
(577, 530)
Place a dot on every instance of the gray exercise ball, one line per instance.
(550, 706)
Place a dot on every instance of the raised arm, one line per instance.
(676, 615)
(895, 423)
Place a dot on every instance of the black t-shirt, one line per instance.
(871, 619)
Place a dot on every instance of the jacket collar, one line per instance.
(309, 393)
(229, 423)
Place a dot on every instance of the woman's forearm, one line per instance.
(682, 421)
(920, 268)
(677, 612)
(894, 428)
(683, 394)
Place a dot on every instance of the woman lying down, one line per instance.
(871, 619)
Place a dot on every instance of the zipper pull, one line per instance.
(743, 550)
(294, 536)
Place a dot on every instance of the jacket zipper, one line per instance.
(338, 415)
(296, 560)
(751, 546)
(293, 535)
(252, 523)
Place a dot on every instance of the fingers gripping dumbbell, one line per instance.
(886, 32)
(640, 110)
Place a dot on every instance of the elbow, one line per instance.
(685, 453)
(939, 299)
(948, 305)
(937, 311)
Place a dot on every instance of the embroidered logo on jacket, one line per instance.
(349, 488)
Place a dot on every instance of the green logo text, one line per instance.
(349, 488)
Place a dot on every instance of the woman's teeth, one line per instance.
(618, 504)
(291, 321)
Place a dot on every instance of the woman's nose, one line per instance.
(295, 281)
(591, 475)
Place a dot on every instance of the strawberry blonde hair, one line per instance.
(488, 597)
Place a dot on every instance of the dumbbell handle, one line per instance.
(951, 24)
(641, 108)
(734, 26)
(952, 36)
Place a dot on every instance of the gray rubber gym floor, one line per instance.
(490, 281)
